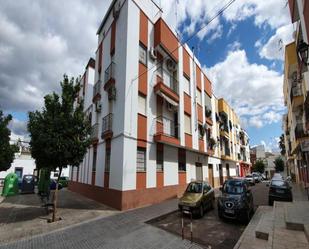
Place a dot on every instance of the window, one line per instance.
(199, 97)
(94, 161)
(141, 104)
(201, 131)
(187, 124)
(142, 54)
(186, 85)
(181, 160)
(141, 159)
(160, 157)
(107, 158)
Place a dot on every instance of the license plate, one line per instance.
(279, 191)
(229, 211)
(186, 208)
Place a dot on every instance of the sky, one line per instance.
(241, 51)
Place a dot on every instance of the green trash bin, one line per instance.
(10, 187)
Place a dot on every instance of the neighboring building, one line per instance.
(24, 164)
(296, 97)
(156, 123)
(270, 158)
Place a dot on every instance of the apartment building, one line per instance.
(156, 122)
(296, 89)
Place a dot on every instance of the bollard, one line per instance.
(182, 227)
(191, 230)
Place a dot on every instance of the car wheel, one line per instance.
(246, 217)
(220, 214)
(201, 211)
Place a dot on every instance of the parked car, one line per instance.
(198, 197)
(279, 190)
(256, 177)
(53, 183)
(277, 176)
(250, 179)
(236, 201)
(64, 181)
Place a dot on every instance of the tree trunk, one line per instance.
(56, 196)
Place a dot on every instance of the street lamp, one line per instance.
(302, 51)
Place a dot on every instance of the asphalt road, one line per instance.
(210, 231)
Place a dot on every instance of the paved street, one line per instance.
(210, 231)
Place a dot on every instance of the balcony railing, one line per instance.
(168, 79)
(167, 127)
(296, 90)
(299, 131)
(97, 88)
(107, 123)
(227, 151)
(95, 131)
(109, 72)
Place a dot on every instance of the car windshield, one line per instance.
(194, 187)
(278, 183)
(233, 187)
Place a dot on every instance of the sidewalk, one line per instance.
(299, 193)
(124, 230)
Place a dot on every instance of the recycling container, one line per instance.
(10, 187)
(28, 184)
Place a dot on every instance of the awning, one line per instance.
(168, 99)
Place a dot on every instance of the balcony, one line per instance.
(293, 10)
(296, 96)
(107, 126)
(224, 131)
(166, 131)
(109, 76)
(299, 131)
(95, 133)
(167, 86)
(97, 91)
(208, 115)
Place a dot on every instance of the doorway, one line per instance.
(19, 172)
(220, 174)
(199, 171)
(210, 175)
(227, 167)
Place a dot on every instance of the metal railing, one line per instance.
(109, 72)
(296, 90)
(107, 123)
(168, 128)
(95, 131)
(168, 79)
(97, 88)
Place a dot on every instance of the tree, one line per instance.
(279, 164)
(7, 150)
(60, 132)
(259, 166)
(282, 145)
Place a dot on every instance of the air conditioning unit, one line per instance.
(171, 65)
(153, 53)
(116, 10)
(111, 93)
(169, 106)
(98, 107)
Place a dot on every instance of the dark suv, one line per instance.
(279, 190)
(236, 201)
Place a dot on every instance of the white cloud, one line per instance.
(273, 49)
(252, 89)
(236, 45)
(272, 145)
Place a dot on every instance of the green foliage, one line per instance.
(60, 133)
(6, 149)
(282, 145)
(279, 164)
(259, 166)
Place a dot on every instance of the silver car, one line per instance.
(250, 179)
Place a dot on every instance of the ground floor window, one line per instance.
(94, 160)
(141, 159)
(107, 159)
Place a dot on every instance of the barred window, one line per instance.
(141, 159)
(160, 157)
(94, 161)
(107, 159)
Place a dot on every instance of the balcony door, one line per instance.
(220, 174)
(210, 175)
